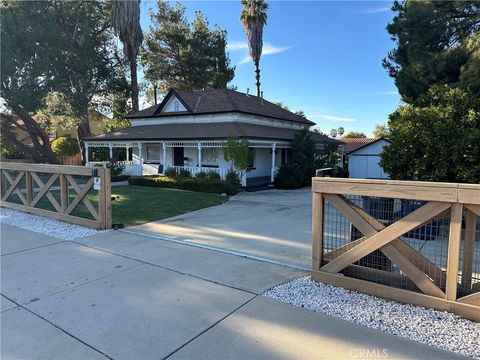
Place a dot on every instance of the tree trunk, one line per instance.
(83, 131)
(257, 76)
(39, 136)
(134, 83)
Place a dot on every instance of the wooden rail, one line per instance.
(433, 285)
(34, 184)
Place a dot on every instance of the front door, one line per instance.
(178, 155)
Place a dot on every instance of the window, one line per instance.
(153, 153)
(209, 156)
(176, 106)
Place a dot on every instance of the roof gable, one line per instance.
(355, 144)
(213, 101)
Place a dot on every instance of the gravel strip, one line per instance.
(45, 225)
(432, 327)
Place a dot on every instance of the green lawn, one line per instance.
(141, 204)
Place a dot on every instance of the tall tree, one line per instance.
(381, 131)
(73, 57)
(436, 43)
(254, 18)
(435, 139)
(126, 23)
(354, 134)
(185, 55)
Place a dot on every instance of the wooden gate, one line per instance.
(62, 192)
(401, 240)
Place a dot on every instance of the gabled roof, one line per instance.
(214, 101)
(206, 131)
(354, 144)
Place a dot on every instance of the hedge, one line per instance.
(193, 184)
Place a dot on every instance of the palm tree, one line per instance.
(126, 23)
(254, 18)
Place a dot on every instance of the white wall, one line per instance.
(170, 105)
(365, 163)
(263, 162)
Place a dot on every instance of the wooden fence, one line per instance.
(71, 160)
(62, 192)
(385, 238)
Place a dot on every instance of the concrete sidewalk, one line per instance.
(123, 296)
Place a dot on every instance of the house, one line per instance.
(189, 128)
(363, 157)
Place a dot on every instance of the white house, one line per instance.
(363, 156)
(189, 128)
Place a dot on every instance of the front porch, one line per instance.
(155, 158)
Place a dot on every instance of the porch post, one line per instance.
(110, 150)
(86, 154)
(199, 147)
(272, 173)
(127, 148)
(164, 147)
(140, 159)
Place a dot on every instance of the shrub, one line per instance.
(289, 176)
(171, 172)
(213, 175)
(183, 173)
(232, 179)
(201, 175)
(65, 146)
(118, 178)
(116, 168)
(192, 184)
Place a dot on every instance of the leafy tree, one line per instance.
(341, 131)
(65, 146)
(437, 43)
(354, 134)
(238, 153)
(303, 154)
(327, 156)
(436, 139)
(254, 18)
(334, 133)
(381, 131)
(188, 56)
(126, 23)
(72, 56)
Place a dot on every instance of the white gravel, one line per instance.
(436, 328)
(44, 225)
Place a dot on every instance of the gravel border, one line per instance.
(45, 225)
(431, 327)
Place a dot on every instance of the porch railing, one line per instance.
(195, 170)
(414, 242)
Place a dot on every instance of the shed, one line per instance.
(363, 156)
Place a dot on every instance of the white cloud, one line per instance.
(376, 10)
(336, 118)
(268, 49)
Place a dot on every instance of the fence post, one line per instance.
(317, 230)
(468, 248)
(454, 250)
(104, 199)
(3, 184)
(63, 193)
(28, 187)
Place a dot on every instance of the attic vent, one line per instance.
(176, 106)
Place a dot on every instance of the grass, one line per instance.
(139, 204)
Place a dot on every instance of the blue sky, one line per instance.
(321, 57)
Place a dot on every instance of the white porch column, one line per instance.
(140, 159)
(272, 173)
(86, 154)
(199, 147)
(164, 147)
(110, 151)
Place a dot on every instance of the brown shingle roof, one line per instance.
(204, 131)
(213, 101)
(353, 144)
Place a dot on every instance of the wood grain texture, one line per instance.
(454, 238)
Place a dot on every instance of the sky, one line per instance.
(321, 57)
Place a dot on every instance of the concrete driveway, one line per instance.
(271, 224)
(123, 296)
